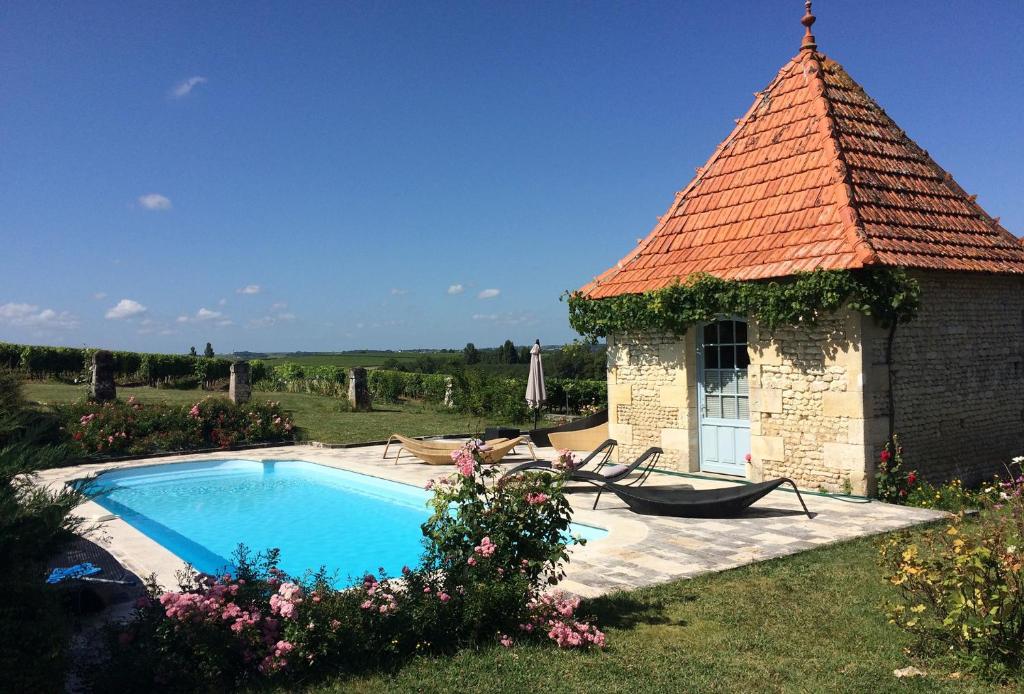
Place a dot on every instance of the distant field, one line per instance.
(318, 418)
(361, 359)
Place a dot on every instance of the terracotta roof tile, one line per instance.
(815, 175)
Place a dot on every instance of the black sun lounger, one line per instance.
(605, 448)
(722, 502)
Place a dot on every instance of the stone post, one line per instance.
(239, 390)
(359, 390)
(449, 392)
(102, 376)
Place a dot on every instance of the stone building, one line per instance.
(817, 176)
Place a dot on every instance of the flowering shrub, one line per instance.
(963, 585)
(525, 517)
(566, 461)
(894, 484)
(130, 427)
(492, 545)
(952, 496)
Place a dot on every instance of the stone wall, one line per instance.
(819, 409)
(652, 397)
(807, 417)
(958, 370)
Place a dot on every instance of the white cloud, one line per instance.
(226, 322)
(249, 289)
(488, 294)
(274, 319)
(456, 289)
(155, 202)
(278, 305)
(99, 296)
(203, 314)
(398, 292)
(509, 319)
(183, 89)
(28, 315)
(125, 308)
(222, 302)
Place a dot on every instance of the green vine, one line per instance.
(887, 295)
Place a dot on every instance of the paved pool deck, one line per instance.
(638, 551)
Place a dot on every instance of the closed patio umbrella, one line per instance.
(535, 393)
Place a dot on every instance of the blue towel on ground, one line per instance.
(76, 571)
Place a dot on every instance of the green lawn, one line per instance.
(319, 418)
(807, 623)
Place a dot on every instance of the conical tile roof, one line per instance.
(814, 176)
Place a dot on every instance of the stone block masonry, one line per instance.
(958, 374)
(359, 397)
(807, 404)
(102, 388)
(239, 389)
(819, 394)
(652, 397)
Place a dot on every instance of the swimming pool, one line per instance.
(316, 515)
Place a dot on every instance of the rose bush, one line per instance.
(493, 545)
(894, 483)
(129, 427)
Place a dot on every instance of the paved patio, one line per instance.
(638, 551)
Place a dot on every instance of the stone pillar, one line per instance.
(239, 389)
(358, 390)
(102, 377)
(449, 392)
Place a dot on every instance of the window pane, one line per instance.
(728, 358)
(711, 381)
(725, 332)
(711, 333)
(742, 385)
(744, 408)
(742, 357)
(741, 332)
(728, 381)
(711, 357)
(714, 405)
(728, 408)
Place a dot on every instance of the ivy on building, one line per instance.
(887, 295)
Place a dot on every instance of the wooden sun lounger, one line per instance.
(434, 445)
(498, 450)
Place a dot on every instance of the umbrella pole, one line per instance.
(536, 416)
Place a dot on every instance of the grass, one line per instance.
(808, 623)
(319, 418)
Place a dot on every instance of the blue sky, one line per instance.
(391, 175)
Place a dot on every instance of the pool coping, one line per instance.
(638, 550)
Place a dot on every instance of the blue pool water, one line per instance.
(316, 515)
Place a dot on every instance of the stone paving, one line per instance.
(638, 551)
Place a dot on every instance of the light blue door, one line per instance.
(724, 397)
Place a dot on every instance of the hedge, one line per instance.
(73, 362)
(297, 378)
(476, 392)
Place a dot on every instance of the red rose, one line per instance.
(885, 455)
(911, 478)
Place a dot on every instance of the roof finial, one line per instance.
(807, 21)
